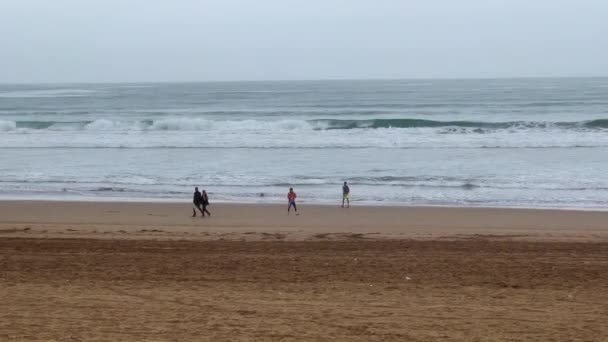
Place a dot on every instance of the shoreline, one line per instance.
(233, 221)
(373, 204)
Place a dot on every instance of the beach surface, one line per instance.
(133, 220)
(85, 271)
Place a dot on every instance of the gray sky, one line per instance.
(199, 40)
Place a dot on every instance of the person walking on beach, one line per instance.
(197, 201)
(291, 198)
(345, 195)
(205, 203)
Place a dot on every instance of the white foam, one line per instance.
(101, 125)
(285, 134)
(199, 124)
(181, 124)
(44, 93)
(6, 126)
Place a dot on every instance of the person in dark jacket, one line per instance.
(205, 203)
(345, 195)
(197, 201)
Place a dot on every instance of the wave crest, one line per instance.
(6, 126)
(196, 124)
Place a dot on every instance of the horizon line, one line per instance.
(308, 80)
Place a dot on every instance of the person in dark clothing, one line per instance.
(205, 203)
(345, 195)
(197, 201)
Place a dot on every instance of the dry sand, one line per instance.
(149, 272)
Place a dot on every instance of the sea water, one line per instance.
(515, 143)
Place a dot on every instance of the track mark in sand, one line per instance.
(214, 308)
(159, 215)
(159, 300)
(150, 231)
(246, 312)
(343, 236)
(71, 230)
(322, 236)
(277, 236)
(481, 237)
(14, 230)
(495, 236)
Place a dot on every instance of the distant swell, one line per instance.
(109, 189)
(600, 123)
(420, 123)
(194, 124)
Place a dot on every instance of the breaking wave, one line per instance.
(194, 124)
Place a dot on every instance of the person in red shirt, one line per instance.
(291, 198)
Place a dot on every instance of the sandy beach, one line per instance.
(80, 271)
(132, 220)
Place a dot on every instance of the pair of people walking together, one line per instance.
(200, 202)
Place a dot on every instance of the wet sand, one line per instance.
(148, 272)
(256, 221)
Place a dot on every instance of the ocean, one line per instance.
(532, 143)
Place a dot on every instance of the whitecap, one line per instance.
(6, 126)
(48, 93)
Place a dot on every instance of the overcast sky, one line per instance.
(200, 40)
